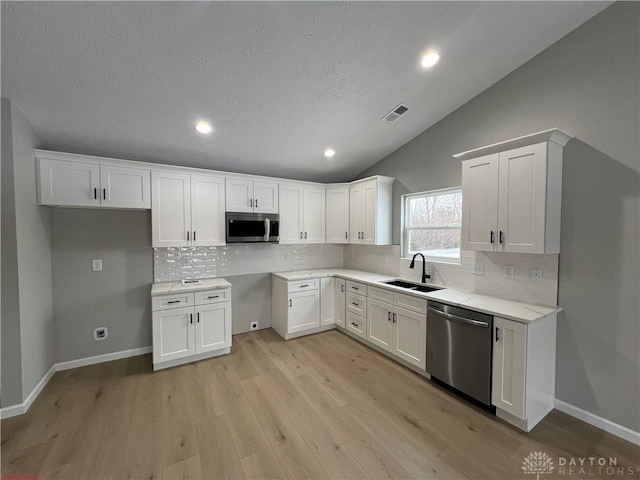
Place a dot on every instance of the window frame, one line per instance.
(404, 237)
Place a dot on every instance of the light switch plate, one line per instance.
(535, 274)
(478, 269)
(96, 264)
(509, 272)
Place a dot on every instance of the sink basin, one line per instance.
(412, 286)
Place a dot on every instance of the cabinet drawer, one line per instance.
(357, 304)
(166, 302)
(411, 303)
(357, 324)
(213, 296)
(383, 294)
(356, 287)
(301, 285)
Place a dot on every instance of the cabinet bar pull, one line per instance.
(213, 296)
(346, 235)
(256, 203)
(198, 316)
(191, 317)
(497, 334)
(194, 235)
(501, 236)
(388, 316)
(341, 288)
(305, 235)
(491, 237)
(394, 318)
(355, 304)
(305, 285)
(104, 193)
(300, 235)
(95, 193)
(354, 324)
(187, 235)
(251, 202)
(173, 301)
(290, 304)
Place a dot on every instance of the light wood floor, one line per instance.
(322, 406)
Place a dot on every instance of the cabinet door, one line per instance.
(239, 195)
(509, 364)
(291, 228)
(410, 337)
(68, 183)
(170, 209)
(207, 210)
(522, 199)
(337, 217)
(369, 213)
(173, 334)
(327, 309)
(480, 203)
(380, 328)
(265, 195)
(341, 301)
(314, 215)
(213, 327)
(304, 311)
(356, 199)
(123, 187)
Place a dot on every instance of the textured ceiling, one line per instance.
(280, 81)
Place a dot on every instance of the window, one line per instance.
(432, 224)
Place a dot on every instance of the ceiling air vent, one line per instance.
(396, 113)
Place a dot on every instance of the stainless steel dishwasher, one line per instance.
(459, 349)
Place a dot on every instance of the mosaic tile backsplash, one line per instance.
(177, 263)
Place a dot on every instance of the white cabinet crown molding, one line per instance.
(553, 135)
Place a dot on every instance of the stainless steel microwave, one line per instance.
(252, 227)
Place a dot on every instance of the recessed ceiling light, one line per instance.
(430, 58)
(329, 152)
(203, 127)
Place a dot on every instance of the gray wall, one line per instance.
(586, 84)
(251, 301)
(118, 297)
(11, 374)
(33, 229)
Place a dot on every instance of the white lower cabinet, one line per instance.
(340, 301)
(182, 334)
(399, 331)
(523, 377)
(302, 307)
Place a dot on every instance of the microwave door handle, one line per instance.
(267, 229)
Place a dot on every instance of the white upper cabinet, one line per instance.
(187, 210)
(511, 196)
(244, 195)
(370, 211)
(337, 218)
(302, 214)
(77, 181)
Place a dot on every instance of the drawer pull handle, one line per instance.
(198, 314)
(355, 304)
(355, 324)
(174, 301)
(290, 303)
(213, 296)
(388, 316)
(355, 288)
(191, 317)
(394, 318)
(303, 286)
(95, 193)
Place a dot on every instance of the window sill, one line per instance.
(443, 261)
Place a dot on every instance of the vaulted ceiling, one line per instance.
(279, 81)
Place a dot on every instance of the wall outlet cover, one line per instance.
(509, 272)
(254, 325)
(536, 275)
(96, 265)
(478, 269)
(100, 333)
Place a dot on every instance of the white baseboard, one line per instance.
(107, 357)
(19, 409)
(599, 422)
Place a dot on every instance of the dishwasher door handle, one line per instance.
(456, 317)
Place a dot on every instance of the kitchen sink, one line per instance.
(412, 286)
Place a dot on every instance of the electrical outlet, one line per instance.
(254, 325)
(96, 264)
(535, 274)
(100, 333)
(478, 269)
(509, 271)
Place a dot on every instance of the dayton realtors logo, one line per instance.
(537, 463)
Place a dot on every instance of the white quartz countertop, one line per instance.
(512, 310)
(166, 288)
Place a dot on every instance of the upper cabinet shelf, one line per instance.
(512, 193)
